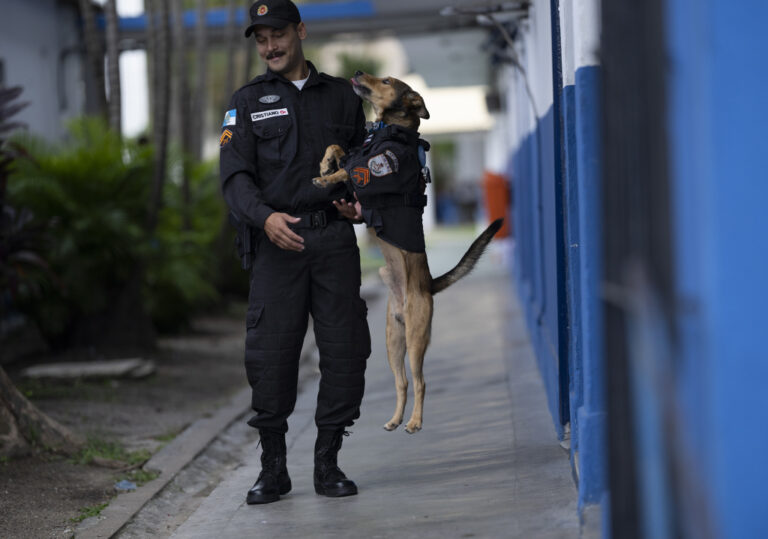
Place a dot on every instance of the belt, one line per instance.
(316, 219)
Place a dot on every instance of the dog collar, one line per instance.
(375, 126)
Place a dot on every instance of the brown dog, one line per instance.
(406, 273)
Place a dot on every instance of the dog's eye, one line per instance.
(385, 81)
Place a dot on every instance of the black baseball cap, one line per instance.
(274, 13)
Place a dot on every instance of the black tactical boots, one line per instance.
(273, 479)
(329, 479)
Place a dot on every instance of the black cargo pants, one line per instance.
(287, 286)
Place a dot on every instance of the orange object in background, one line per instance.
(497, 200)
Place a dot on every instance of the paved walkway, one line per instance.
(487, 463)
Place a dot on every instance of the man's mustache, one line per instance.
(276, 54)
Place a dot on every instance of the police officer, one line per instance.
(305, 256)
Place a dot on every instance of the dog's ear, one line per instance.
(414, 101)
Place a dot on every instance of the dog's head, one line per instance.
(393, 100)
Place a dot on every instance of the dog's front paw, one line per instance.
(390, 426)
(413, 427)
(320, 182)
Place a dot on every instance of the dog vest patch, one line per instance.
(393, 160)
(379, 165)
(257, 116)
(360, 176)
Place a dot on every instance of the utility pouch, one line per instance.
(244, 244)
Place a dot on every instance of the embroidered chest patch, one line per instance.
(257, 116)
(379, 165)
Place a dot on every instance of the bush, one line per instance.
(182, 264)
(91, 194)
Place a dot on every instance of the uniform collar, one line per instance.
(314, 78)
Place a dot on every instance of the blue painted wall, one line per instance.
(586, 329)
(558, 274)
(533, 177)
(717, 119)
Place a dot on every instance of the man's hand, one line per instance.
(276, 227)
(349, 210)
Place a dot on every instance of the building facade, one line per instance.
(41, 51)
(635, 154)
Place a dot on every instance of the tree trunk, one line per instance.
(199, 107)
(23, 425)
(248, 44)
(231, 36)
(182, 108)
(95, 99)
(113, 67)
(161, 116)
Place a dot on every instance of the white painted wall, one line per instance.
(580, 30)
(38, 43)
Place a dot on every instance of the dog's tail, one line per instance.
(469, 259)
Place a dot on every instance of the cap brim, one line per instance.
(267, 21)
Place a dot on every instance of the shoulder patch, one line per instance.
(230, 118)
(226, 136)
(379, 165)
(361, 177)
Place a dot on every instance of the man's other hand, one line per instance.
(276, 227)
(349, 210)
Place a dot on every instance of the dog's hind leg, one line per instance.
(418, 324)
(396, 355)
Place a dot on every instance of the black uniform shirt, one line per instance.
(386, 176)
(273, 138)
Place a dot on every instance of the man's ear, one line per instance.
(301, 30)
(413, 101)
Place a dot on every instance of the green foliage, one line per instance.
(141, 476)
(351, 62)
(90, 511)
(91, 194)
(103, 449)
(91, 197)
(181, 269)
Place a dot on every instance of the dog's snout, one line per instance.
(358, 73)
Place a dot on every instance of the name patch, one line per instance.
(257, 116)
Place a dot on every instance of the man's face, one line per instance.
(280, 48)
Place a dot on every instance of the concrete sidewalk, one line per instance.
(487, 463)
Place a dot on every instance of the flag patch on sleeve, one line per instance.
(229, 118)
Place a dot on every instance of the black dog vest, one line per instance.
(386, 174)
